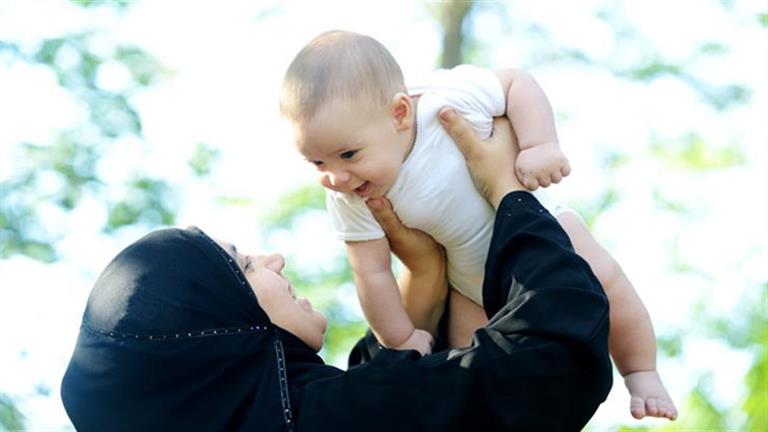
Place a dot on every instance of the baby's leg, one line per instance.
(465, 316)
(632, 342)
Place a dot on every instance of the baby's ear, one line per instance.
(401, 109)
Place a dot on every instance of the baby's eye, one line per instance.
(316, 163)
(349, 154)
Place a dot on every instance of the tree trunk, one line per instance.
(451, 15)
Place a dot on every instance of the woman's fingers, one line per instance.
(504, 136)
(386, 217)
(415, 249)
(490, 162)
(404, 242)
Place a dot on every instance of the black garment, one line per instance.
(173, 339)
(541, 363)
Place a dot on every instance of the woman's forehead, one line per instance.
(230, 248)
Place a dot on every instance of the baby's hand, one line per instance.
(541, 165)
(648, 397)
(419, 340)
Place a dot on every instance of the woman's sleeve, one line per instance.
(545, 348)
(541, 363)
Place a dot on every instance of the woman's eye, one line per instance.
(348, 154)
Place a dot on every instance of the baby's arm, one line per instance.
(540, 161)
(380, 298)
(423, 282)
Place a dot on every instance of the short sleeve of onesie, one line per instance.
(475, 92)
(351, 218)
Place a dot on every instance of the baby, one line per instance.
(370, 137)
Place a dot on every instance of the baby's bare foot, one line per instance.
(648, 396)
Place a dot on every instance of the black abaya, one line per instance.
(174, 339)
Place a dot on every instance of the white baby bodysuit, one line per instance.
(433, 191)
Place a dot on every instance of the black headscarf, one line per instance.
(173, 338)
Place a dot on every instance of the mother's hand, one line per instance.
(424, 282)
(491, 161)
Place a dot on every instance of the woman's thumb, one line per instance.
(459, 130)
(385, 216)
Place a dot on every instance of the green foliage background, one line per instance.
(63, 173)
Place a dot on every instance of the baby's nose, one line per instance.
(339, 177)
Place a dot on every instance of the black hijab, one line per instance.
(173, 338)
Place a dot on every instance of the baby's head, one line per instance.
(345, 97)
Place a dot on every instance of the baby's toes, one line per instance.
(673, 412)
(667, 409)
(637, 407)
(652, 407)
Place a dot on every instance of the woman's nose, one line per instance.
(274, 262)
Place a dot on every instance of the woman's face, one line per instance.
(277, 297)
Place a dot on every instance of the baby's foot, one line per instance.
(648, 397)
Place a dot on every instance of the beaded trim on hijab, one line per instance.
(178, 335)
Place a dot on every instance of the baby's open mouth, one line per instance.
(363, 189)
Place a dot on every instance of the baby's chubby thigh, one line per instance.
(465, 275)
(466, 265)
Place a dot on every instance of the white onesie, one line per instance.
(433, 191)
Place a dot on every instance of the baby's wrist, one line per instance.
(635, 373)
(550, 146)
(408, 338)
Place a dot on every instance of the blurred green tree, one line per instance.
(62, 172)
(11, 419)
(72, 158)
(453, 18)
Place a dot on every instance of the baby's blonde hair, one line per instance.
(339, 65)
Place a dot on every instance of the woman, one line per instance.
(183, 333)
